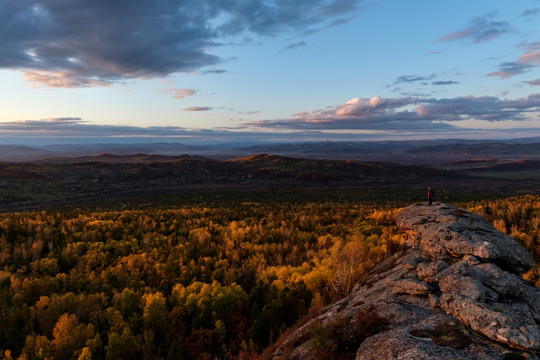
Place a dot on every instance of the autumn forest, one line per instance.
(197, 281)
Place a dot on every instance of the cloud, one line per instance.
(511, 68)
(374, 118)
(533, 82)
(413, 78)
(60, 79)
(198, 108)
(296, 45)
(45, 123)
(180, 93)
(54, 130)
(68, 130)
(530, 12)
(530, 46)
(218, 71)
(449, 82)
(524, 63)
(406, 114)
(91, 43)
(530, 57)
(480, 29)
(75, 126)
(376, 104)
(167, 82)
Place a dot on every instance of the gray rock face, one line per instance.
(456, 293)
(445, 230)
(428, 271)
(409, 286)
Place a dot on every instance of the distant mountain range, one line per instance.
(405, 151)
(113, 158)
(19, 153)
(426, 152)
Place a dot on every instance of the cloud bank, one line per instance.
(407, 114)
(357, 119)
(76, 127)
(95, 43)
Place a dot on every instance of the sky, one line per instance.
(222, 71)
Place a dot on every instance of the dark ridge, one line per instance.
(115, 158)
(516, 165)
(265, 158)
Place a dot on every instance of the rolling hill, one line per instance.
(109, 176)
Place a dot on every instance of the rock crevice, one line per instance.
(458, 273)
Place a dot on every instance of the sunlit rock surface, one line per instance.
(455, 293)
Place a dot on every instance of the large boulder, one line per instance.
(443, 230)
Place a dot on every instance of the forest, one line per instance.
(196, 281)
(38, 184)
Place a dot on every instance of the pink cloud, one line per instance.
(66, 79)
(378, 113)
(358, 106)
(530, 57)
(180, 93)
(533, 82)
(501, 74)
(525, 62)
(198, 108)
(167, 82)
(511, 68)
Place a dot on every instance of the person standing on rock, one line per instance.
(430, 194)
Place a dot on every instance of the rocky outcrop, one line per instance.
(444, 231)
(455, 293)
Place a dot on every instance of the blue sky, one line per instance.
(234, 70)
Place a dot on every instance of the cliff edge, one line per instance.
(456, 292)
